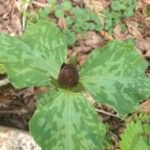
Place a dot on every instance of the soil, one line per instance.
(17, 106)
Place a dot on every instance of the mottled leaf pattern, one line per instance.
(66, 122)
(115, 76)
(30, 60)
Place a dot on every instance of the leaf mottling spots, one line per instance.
(120, 70)
(78, 126)
(41, 122)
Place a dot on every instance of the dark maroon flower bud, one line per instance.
(68, 75)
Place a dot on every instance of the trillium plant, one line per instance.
(64, 118)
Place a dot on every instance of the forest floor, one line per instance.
(17, 106)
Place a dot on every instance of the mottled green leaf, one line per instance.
(31, 59)
(66, 122)
(115, 76)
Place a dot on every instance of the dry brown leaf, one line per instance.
(144, 45)
(133, 29)
(85, 44)
(97, 7)
(82, 49)
(90, 39)
(118, 34)
(94, 5)
(147, 22)
(82, 58)
(79, 3)
(62, 23)
(145, 107)
(106, 35)
(16, 24)
(42, 1)
(10, 17)
(146, 1)
(93, 40)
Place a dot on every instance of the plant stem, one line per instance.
(40, 4)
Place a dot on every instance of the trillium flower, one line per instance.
(64, 119)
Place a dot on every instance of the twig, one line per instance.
(92, 101)
(19, 111)
(23, 10)
(106, 113)
(40, 4)
(4, 82)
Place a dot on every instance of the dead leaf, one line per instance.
(145, 106)
(82, 49)
(90, 39)
(118, 34)
(10, 17)
(146, 1)
(144, 45)
(93, 40)
(94, 5)
(62, 23)
(79, 3)
(133, 29)
(82, 58)
(106, 35)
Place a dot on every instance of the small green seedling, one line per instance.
(118, 9)
(137, 134)
(77, 20)
(80, 21)
(64, 119)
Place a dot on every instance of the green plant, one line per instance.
(78, 20)
(118, 9)
(54, 7)
(64, 119)
(137, 134)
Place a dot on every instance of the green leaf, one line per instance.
(115, 76)
(66, 5)
(44, 12)
(66, 122)
(52, 1)
(117, 6)
(2, 69)
(118, 9)
(59, 13)
(70, 36)
(135, 137)
(30, 60)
